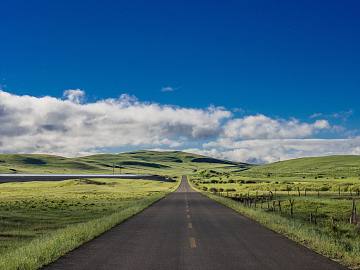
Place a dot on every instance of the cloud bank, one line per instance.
(70, 126)
(52, 125)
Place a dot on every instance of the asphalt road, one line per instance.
(6, 178)
(186, 230)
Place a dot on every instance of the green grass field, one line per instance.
(40, 221)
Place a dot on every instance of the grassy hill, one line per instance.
(333, 166)
(150, 162)
(177, 162)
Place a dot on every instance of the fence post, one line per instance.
(279, 205)
(291, 201)
(353, 217)
(315, 216)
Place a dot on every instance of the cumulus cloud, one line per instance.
(264, 151)
(263, 127)
(52, 125)
(74, 95)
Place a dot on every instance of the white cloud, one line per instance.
(260, 151)
(75, 95)
(263, 127)
(51, 125)
(341, 115)
(167, 89)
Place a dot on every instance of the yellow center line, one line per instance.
(188, 216)
(190, 225)
(192, 242)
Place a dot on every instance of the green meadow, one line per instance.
(40, 221)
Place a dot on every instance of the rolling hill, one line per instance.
(335, 166)
(150, 162)
(177, 162)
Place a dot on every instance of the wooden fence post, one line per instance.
(315, 216)
(353, 217)
(279, 205)
(291, 201)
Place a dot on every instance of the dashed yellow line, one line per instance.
(190, 225)
(188, 216)
(192, 242)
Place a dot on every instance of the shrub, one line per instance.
(324, 188)
(250, 182)
(213, 190)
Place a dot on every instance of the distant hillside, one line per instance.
(152, 162)
(337, 166)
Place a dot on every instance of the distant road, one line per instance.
(188, 231)
(5, 178)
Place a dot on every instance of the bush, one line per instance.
(204, 188)
(230, 189)
(213, 190)
(324, 188)
(250, 182)
(231, 181)
(221, 189)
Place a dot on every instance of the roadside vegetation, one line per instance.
(309, 200)
(41, 221)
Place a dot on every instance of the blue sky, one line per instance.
(280, 59)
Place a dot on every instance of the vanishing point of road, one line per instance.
(187, 230)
